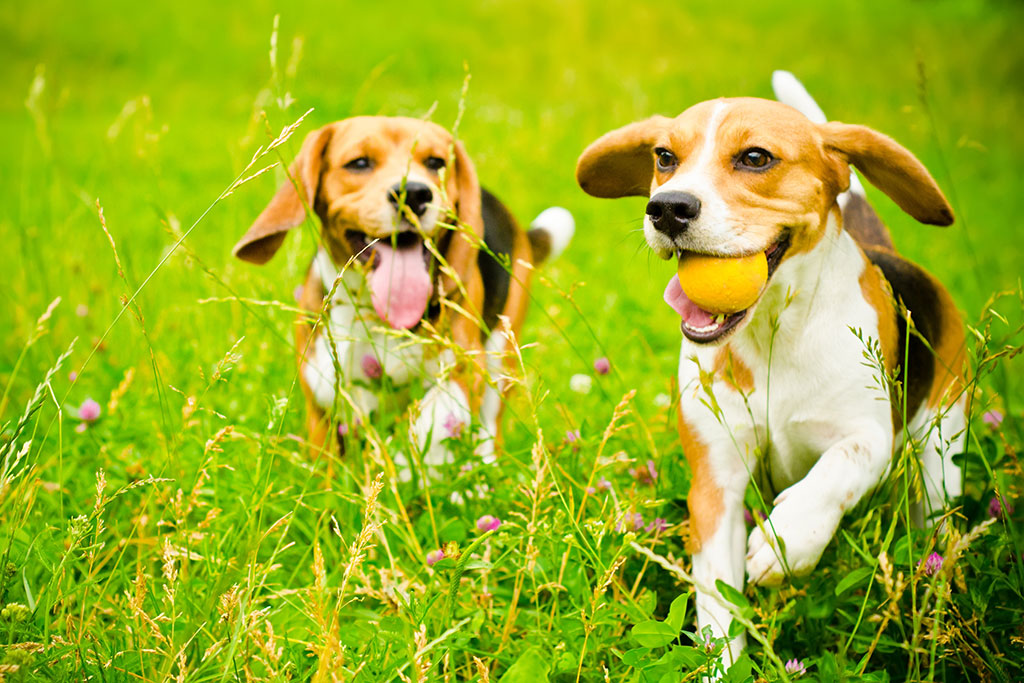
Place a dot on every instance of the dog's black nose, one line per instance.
(417, 196)
(671, 212)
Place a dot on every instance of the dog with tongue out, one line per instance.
(410, 244)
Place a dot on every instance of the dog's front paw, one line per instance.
(805, 528)
(443, 414)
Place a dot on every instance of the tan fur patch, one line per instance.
(733, 371)
(705, 500)
(950, 354)
(310, 299)
(878, 293)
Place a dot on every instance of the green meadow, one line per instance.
(184, 534)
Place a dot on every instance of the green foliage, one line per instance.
(185, 535)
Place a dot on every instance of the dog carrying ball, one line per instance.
(723, 285)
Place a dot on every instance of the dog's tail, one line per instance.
(550, 233)
(791, 91)
(859, 219)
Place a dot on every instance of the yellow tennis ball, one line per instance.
(723, 285)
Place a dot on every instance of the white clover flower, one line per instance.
(581, 384)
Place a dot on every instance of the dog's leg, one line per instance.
(944, 434)
(717, 532)
(502, 360)
(491, 403)
(807, 513)
(443, 413)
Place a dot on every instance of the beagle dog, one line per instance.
(421, 275)
(806, 390)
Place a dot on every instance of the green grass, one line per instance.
(215, 550)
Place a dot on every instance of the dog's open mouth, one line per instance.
(702, 326)
(398, 269)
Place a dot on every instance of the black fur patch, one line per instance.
(499, 236)
(914, 288)
(861, 221)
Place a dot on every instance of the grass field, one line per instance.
(185, 535)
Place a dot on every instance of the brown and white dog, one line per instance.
(403, 220)
(780, 392)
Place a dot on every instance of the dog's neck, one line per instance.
(351, 291)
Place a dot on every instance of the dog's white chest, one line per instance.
(356, 352)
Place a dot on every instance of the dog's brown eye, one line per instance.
(359, 164)
(754, 158)
(435, 163)
(666, 160)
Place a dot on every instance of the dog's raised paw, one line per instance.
(805, 530)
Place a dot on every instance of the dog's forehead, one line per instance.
(741, 118)
(388, 133)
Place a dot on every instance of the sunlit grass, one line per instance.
(183, 533)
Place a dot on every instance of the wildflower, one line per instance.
(752, 517)
(993, 418)
(645, 475)
(89, 411)
(81, 427)
(658, 525)
(602, 366)
(707, 641)
(72, 376)
(488, 523)
(82, 310)
(795, 667)
(602, 484)
(297, 294)
(371, 366)
(581, 384)
(998, 508)
(346, 428)
(932, 564)
(434, 556)
(453, 425)
(631, 522)
(662, 401)
(572, 438)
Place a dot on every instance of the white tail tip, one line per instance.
(789, 90)
(560, 226)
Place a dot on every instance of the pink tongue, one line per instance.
(400, 285)
(693, 315)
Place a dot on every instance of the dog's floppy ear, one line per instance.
(463, 247)
(620, 163)
(892, 169)
(287, 209)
